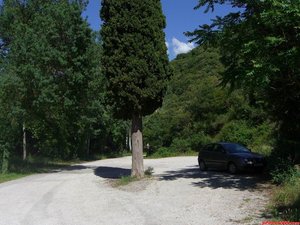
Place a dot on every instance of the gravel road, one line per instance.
(178, 194)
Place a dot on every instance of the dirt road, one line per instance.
(179, 194)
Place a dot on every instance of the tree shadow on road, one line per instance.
(76, 167)
(111, 172)
(217, 179)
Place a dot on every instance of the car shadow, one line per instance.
(111, 172)
(216, 179)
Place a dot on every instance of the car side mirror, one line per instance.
(223, 151)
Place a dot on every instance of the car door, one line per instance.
(206, 154)
(219, 157)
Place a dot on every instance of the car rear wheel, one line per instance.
(202, 165)
(232, 168)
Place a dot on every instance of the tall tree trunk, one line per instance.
(129, 139)
(137, 147)
(88, 144)
(24, 142)
(4, 158)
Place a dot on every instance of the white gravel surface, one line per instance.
(178, 194)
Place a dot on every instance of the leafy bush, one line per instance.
(258, 138)
(199, 139)
(180, 145)
(149, 171)
(163, 152)
(286, 199)
(237, 131)
(282, 175)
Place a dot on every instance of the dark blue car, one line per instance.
(230, 156)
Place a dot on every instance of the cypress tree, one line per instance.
(135, 63)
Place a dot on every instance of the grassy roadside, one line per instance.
(166, 154)
(285, 202)
(19, 168)
(35, 165)
(11, 176)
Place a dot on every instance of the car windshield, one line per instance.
(235, 148)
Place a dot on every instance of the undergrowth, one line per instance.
(286, 198)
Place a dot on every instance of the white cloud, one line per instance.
(181, 47)
(167, 44)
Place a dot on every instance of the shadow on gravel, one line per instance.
(111, 172)
(217, 179)
(75, 167)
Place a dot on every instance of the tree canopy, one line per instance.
(260, 48)
(134, 55)
(197, 110)
(51, 82)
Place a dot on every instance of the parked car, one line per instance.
(229, 156)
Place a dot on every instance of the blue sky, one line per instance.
(180, 15)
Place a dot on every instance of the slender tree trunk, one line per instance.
(24, 142)
(88, 146)
(129, 139)
(4, 158)
(137, 147)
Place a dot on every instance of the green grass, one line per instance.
(123, 181)
(34, 165)
(19, 168)
(165, 153)
(10, 176)
(286, 200)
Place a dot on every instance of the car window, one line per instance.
(235, 148)
(208, 147)
(218, 148)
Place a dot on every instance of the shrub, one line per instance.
(263, 139)
(237, 131)
(180, 145)
(149, 171)
(163, 152)
(199, 139)
(284, 174)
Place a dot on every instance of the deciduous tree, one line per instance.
(260, 47)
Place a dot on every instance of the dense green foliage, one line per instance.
(51, 82)
(260, 48)
(136, 64)
(134, 55)
(198, 110)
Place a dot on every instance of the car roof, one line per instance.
(226, 143)
(223, 143)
